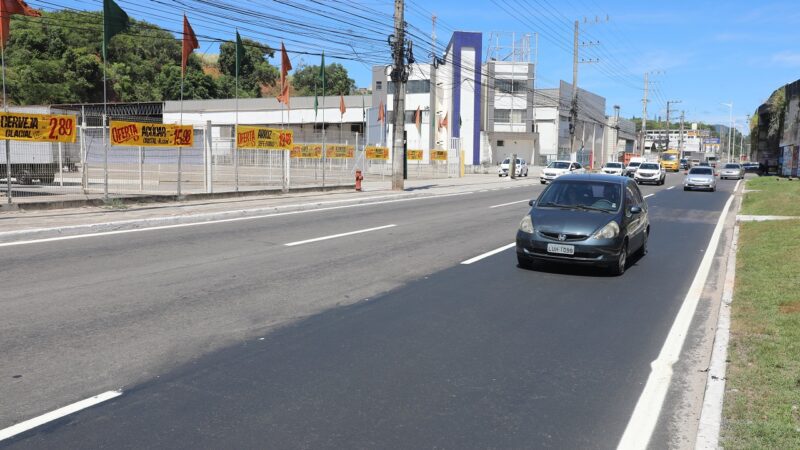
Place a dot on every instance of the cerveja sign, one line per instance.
(37, 127)
(313, 151)
(414, 155)
(136, 134)
(262, 138)
(339, 151)
(439, 155)
(377, 153)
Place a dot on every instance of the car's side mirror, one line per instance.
(636, 209)
(531, 202)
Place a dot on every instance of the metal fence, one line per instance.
(89, 168)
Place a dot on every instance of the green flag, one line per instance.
(115, 21)
(239, 53)
(322, 75)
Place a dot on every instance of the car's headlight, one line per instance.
(526, 226)
(610, 231)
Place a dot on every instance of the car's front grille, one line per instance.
(567, 237)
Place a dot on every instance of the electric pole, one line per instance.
(399, 77)
(574, 110)
(644, 113)
(668, 127)
(680, 137)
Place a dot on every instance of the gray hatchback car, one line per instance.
(592, 219)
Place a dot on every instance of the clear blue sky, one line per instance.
(702, 53)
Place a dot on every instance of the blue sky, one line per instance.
(702, 53)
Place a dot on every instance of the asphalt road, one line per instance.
(221, 335)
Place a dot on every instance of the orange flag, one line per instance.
(443, 123)
(342, 108)
(418, 119)
(381, 116)
(9, 7)
(286, 66)
(189, 43)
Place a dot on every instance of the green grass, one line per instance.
(775, 197)
(762, 400)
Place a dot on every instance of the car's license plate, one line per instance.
(561, 249)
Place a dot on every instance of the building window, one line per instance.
(510, 86)
(509, 116)
(378, 85)
(501, 143)
(413, 87)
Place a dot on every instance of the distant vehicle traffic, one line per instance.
(649, 172)
(752, 167)
(700, 178)
(731, 171)
(613, 168)
(557, 168)
(592, 219)
(633, 164)
(521, 168)
(670, 160)
(684, 164)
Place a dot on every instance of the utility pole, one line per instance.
(668, 127)
(680, 137)
(644, 113)
(574, 110)
(399, 77)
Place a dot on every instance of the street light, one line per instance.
(730, 126)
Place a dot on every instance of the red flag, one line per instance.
(418, 118)
(9, 7)
(342, 108)
(189, 43)
(381, 116)
(443, 122)
(286, 66)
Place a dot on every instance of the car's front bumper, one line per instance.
(589, 251)
(647, 179)
(549, 177)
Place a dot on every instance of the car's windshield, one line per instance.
(669, 157)
(684, 161)
(634, 164)
(558, 165)
(582, 194)
(700, 171)
(508, 161)
(732, 166)
(614, 165)
(649, 166)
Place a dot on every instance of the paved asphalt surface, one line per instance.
(220, 335)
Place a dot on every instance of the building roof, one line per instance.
(265, 104)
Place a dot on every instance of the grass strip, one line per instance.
(762, 399)
(773, 196)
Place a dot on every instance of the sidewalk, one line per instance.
(38, 224)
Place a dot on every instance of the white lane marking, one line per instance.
(488, 254)
(233, 219)
(510, 203)
(736, 188)
(57, 414)
(645, 415)
(334, 236)
(671, 188)
(649, 195)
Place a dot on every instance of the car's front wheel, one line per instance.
(622, 261)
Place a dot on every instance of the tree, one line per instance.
(255, 71)
(337, 81)
(197, 85)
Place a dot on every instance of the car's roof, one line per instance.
(562, 161)
(593, 177)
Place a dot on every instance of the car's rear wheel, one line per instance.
(622, 261)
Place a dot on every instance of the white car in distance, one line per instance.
(557, 168)
(521, 168)
(650, 172)
(613, 168)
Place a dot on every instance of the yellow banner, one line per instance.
(438, 155)
(37, 127)
(340, 151)
(377, 153)
(262, 138)
(414, 155)
(138, 134)
(313, 151)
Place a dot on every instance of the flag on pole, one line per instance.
(286, 66)
(9, 7)
(381, 115)
(444, 122)
(239, 53)
(418, 119)
(342, 107)
(189, 43)
(115, 21)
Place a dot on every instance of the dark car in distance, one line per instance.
(591, 219)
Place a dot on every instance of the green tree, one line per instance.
(255, 71)
(337, 80)
(197, 85)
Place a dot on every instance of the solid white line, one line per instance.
(216, 221)
(711, 415)
(488, 254)
(510, 203)
(645, 416)
(334, 236)
(57, 414)
(649, 195)
(670, 188)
